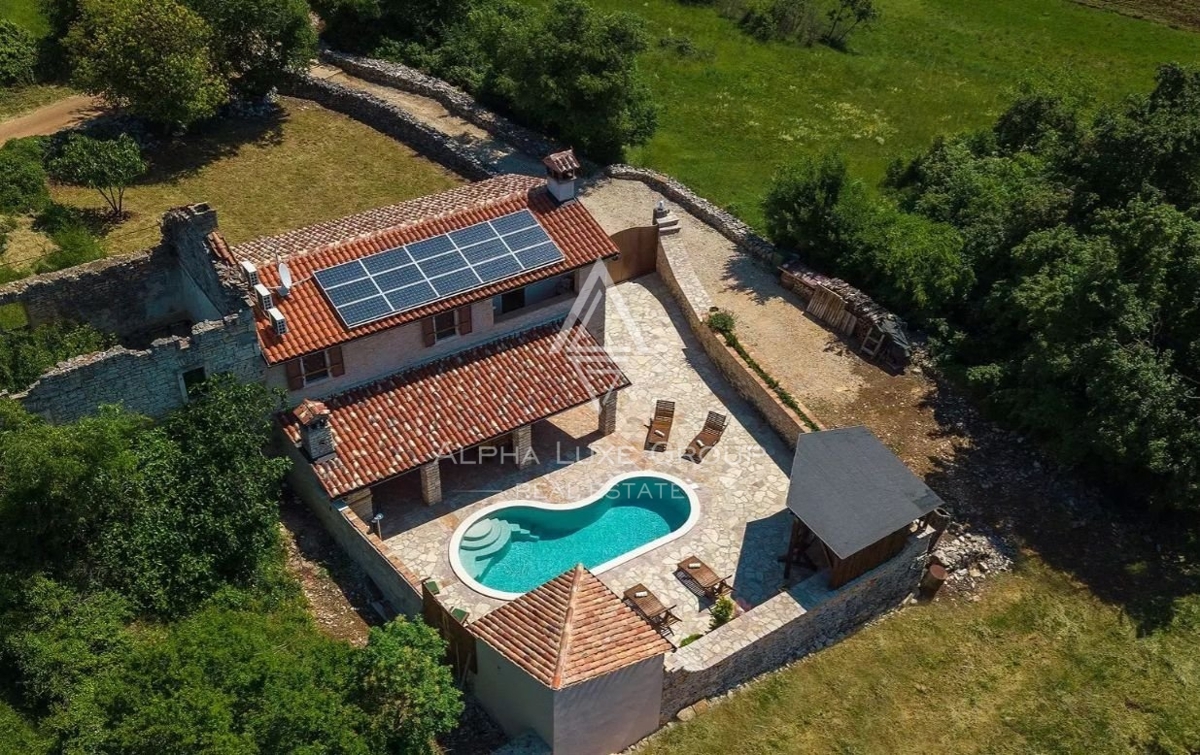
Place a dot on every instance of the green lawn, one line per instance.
(266, 177)
(1038, 665)
(930, 67)
(24, 13)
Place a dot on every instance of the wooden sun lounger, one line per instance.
(714, 428)
(660, 426)
(649, 606)
(713, 585)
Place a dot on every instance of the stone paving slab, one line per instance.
(741, 485)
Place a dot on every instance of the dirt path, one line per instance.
(51, 118)
(491, 151)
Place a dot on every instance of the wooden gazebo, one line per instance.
(853, 498)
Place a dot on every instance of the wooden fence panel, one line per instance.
(829, 308)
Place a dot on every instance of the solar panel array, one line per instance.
(412, 275)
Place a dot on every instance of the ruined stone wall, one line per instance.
(126, 295)
(788, 626)
(676, 270)
(149, 381)
(351, 533)
(450, 97)
(388, 119)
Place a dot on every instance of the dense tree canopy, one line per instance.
(176, 61)
(144, 607)
(565, 69)
(1068, 298)
(107, 165)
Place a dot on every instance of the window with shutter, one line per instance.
(337, 367)
(464, 320)
(428, 332)
(295, 375)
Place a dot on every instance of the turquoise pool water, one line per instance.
(517, 547)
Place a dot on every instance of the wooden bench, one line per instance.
(645, 602)
(710, 583)
(714, 428)
(660, 426)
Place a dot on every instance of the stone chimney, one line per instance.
(562, 169)
(316, 431)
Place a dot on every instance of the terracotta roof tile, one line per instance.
(562, 162)
(313, 324)
(569, 630)
(413, 417)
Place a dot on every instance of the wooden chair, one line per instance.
(714, 428)
(701, 574)
(660, 426)
(650, 607)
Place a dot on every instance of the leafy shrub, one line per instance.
(722, 612)
(689, 640)
(76, 245)
(22, 177)
(782, 20)
(18, 55)
(722, 321)
(26, 354)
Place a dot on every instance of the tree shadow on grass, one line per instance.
(1123, 557)
(185, 155)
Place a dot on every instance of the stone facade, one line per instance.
(452, 98)
(391, 120)
(149, 381)
(796, 622)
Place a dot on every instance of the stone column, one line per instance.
(523, 446)
(608, 413)
(431, 483)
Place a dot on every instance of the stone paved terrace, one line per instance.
(741, 486)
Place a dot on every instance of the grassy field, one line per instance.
(24, 13)
(265, 177)
(1184, 14)
(740, 107)
(1038, 665)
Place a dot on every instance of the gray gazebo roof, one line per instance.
(852, 491)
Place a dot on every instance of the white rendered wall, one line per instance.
(610, 712)
(513, 698)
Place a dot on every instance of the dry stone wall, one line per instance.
(125, 296)
(388, 119)
(786, 627)
(450, 97)
(148, 381)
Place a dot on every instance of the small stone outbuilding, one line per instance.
(572, 663)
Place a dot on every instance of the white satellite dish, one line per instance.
(285, 279)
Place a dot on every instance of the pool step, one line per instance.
(487, 539)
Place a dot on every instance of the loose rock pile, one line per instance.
(969, 557)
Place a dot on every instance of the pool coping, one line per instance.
(456, 538)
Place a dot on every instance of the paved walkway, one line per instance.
(497, 154)
(741, 485)
(52, 118)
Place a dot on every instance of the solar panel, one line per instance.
(407, 277)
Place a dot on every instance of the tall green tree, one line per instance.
(150, 56)
(107, 165)
(573, 72)
(255, 43)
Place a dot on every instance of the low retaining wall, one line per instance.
(782, 629)
(388, 119)
(675, 268)
(450, 97)
(351, 533)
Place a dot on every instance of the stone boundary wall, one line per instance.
(123, 295)
(351, 533)
(858, 303)
(148, 381)
(388, 119)
(676, 270)
(452, 98)
(780, 630)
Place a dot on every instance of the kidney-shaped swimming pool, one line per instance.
(509, 548)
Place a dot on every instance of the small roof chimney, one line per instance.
(562, 169)
(262, 296)
(249, 272)
(278, 321)
(316, 429)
